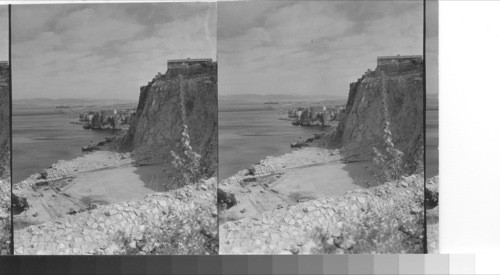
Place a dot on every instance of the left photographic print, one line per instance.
(114, 124)
(5, 186)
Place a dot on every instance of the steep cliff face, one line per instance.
(384, 107)
(4, 121)
(176, 123)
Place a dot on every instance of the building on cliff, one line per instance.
(182, 63)
(382, 60)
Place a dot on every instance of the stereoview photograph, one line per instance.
(5, 189)
(114, 129)
(321, 134)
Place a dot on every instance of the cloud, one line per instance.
(4, 33)
(310, 47)
(104, 50)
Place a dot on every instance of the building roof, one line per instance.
(191, 60)
(399, 56)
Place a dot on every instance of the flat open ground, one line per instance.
(58, 198)
(291, 186)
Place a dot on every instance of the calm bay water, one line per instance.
(248, 133)
(41, 137)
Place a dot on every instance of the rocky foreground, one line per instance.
(358, 222)
(432, 208)
(133, 225)
(4, 217)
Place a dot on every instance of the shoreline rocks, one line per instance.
(88, 162)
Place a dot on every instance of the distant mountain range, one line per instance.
(278, 97)
(70, 101)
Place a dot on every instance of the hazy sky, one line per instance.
(4, 33)
(104, 50)
(310, 47)
(432, 47)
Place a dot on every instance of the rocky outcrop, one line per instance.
(384, 107)
(432, 192)
(106, 119)
(310, 116)
(432, 208)
(136, 225)
(176, 123)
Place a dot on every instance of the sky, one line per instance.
(4, 33)
(310, 47)
(104, 50)
(432, 47)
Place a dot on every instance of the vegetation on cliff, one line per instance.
(383, 120)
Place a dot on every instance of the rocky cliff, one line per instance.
(4, 121)
(176, 123)
(385, 107)
(4, 160)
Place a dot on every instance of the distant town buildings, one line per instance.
(381, 60)
(182, 63)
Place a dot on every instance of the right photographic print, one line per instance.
(321, 127)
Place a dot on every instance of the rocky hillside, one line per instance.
(4, 121)
(176, 123)
(384, 107)
(4, 160)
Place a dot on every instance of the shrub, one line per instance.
(225, 199)
(194, 234)
(43, 175)
(388, 229)
(390, 164)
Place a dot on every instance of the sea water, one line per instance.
(248, 132)
(41, 136)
